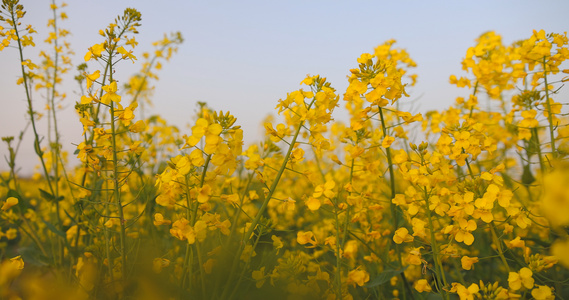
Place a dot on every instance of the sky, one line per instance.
(243, 56)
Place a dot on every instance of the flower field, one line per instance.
(469, 202)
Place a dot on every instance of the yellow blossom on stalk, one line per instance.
(159, 220)
(419, 227)
(90, 78)
(306, 237)
(18, 262)
(463, 234)
(402, 235)
(387, 141)
(95, 51)
(463, 292)
(204, 193)
(297, 155)
(326, 189)
(422, 285)
(126, 54)
(11, 233)
(522, 278)
(11, 201)
(357, 276)
(277, 243)
(248, 252)
(182, 230)
(137, 127)
(467, 262)
(208, 265)
(542, 292)
(350, 249)
(158, 264)
(414, 256)
(259, 277)
(111, 94)
(183, 165)
(313, 203)
(515, 243)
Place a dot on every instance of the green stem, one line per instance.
(393, 207)
(435, 247)
(498, 244)
(549, 112)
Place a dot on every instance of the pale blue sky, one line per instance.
(243, 56)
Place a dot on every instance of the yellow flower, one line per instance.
(259, 277)
(358, 276)
(204, 193)
(277, 243)
(515, 243)
(524, 277)
(402, 235)
(12, 233)
(313, 203)
(387, 141)
(111, 94)
(466, 293)
(414, 257)
(542, 292)
(126, 54)
(208, 265)
(158, 264)
(297, 155)
(350, 249)
(18, 262)
(11, 201)
(159, 220)
(96, 51)
(306, 237)
(467, 262)
(90, 78)
(422, 285)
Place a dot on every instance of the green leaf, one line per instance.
(527, 176)
(49, 197)
(13, 193)
(384, 277)
(46, 195)
(54, 229)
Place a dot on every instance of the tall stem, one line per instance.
(549, 111)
